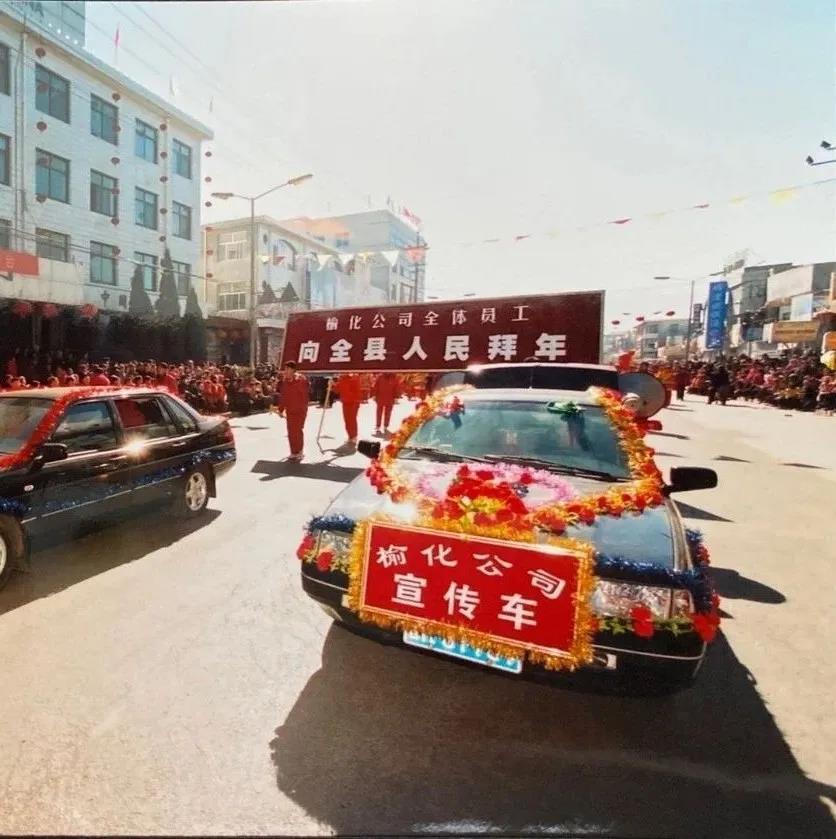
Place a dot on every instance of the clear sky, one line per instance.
(498, 118)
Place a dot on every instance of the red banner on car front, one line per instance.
(448, 335)
(488, 592)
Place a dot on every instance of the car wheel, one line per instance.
(193, 495)
(12, 548)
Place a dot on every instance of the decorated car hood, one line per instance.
(643, 537)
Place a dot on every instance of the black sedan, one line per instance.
(650, 570)
(71, 455)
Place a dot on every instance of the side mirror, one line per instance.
(685, 478)
(51, 452)
(369, 448)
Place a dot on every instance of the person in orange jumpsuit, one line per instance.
(347, 386)
(386, 391)
(294, 397)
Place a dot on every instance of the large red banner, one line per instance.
(524, 596)
(18, 262)
(448, 335)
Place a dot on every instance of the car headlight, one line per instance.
(616, 599)
(338, 545)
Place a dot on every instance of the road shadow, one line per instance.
(63, 558)
(803, 465)
(324, 471)
(734, 586)
(669, 434)
(668, 454)
(689, 512)
(728, 459)
(385, 741)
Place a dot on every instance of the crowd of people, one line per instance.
(792, 381)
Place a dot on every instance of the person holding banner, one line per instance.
(294, 397)
(386, 389)
(347, 386)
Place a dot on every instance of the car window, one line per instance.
(19, 417)
(87, 427)
(144, 418)
(182, 415)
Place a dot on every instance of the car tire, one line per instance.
(12, 548)
(193, 495)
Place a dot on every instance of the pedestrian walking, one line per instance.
(294, 397)
(386, 391)
(680, 377)
(347, 386)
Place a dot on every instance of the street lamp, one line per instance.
(224, 196)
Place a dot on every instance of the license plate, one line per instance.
(459, 649)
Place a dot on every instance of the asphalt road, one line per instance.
(165, 678)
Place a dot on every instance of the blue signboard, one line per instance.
(715, 321)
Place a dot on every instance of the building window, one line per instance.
(146, 141)
(5, 155)
(103, 264)
(232, 302)
(145, 209)
(182, 220)
(104, 118)
(148, 266)
(5, 234)
(52, 94)
(182, 158)
(182, 274)
(52, 176)
(232, 246)
(103, 194)
(52, 245)
(5, 70)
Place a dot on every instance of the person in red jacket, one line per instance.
(166, 379)
(99, 378)
(347, 386)
(386, 391)
(294, 397)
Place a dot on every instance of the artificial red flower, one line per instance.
(526, 479)
(484, 475)
(324, 560)
(463, 470)
(482, 520)
(305, 546)
(642, 619)
(706, 625)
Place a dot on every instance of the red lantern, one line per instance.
(114, 220)
(40, 52)
(23, 308)
(615, 322)
(114, 160)
(163, 126)
(88, 311)
(209, 251)
(639, 318)
(163, 211)
(207, 204)
(208, 154)
(163, 178)
(670, 314)
(207, 179)
(49, 311)
(115, 96)
(163, 154)
(162, 238)
(209, 276)
(40, 125)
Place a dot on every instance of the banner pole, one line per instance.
(325, 407)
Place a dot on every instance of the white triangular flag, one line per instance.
(345, 258)
(391, 257)
(322, 259)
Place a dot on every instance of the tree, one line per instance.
(194, 327)
(139, 304)
(267, 296)
(168, 304)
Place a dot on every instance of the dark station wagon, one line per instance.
(72, 455)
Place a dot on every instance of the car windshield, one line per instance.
(19, 416)
(524, 431)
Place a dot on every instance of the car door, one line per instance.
(159, 446)
(95, 479)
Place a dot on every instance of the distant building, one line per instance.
(286, 260)
(391, 247)
(97, 176)
(654, 338)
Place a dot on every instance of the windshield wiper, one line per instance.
(577, 471)
(439, 454)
